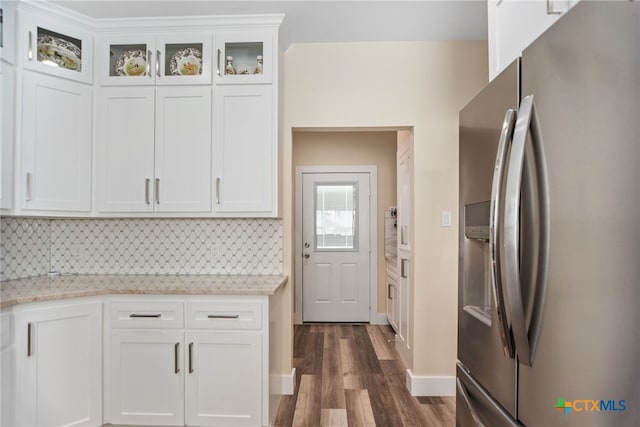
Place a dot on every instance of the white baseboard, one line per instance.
(283, 384)
(430, 386)
(379, 319)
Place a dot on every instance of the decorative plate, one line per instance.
(243, 69)
(186, 62)
(132, 63)
(59, 52)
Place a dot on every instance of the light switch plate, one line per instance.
(445, 219)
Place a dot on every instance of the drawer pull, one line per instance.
(145, 316)
(191, 358)
(223, 316)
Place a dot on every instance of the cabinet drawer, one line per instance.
(147, 315)
(224, 315)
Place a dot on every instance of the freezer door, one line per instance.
(584, 73)
(475, 407)
(484, 341)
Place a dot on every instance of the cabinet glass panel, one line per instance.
(59, 50)
(336, 226)
(182, 59)
(243, 58)
(128, 60)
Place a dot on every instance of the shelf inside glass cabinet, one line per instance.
(128, 60)
(59, 50)
(246, 57)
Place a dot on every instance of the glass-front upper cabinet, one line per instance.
(151, 60)
(244, 57)
(55, 47)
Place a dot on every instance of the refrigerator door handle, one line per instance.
(462, 392)
(525, 337)
(494, 228)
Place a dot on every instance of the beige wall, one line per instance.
(395, 84)
(356, 148)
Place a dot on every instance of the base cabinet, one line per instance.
(187, 362)
(224, 379)
(147, 379)
(59, 360)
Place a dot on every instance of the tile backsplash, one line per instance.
(31, 247)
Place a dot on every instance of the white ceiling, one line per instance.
(317, 21)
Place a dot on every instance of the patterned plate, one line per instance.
(60, 52)
(186, 62)
(132, 63)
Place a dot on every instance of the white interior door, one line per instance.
(336, 247)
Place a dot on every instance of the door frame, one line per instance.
(374, 317)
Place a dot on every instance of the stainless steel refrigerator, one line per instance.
(549, 242)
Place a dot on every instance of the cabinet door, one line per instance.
(127, 60)
(7, 128)
(183, 149)
(56, 144)
(146, 377)
(53, 46)
(7, 370)
(124, 150)
(404, 306)
(244, 149)
(184, 59)
(404, 198)
(8, 31)
(245, 48)
(225, 379)
(59, 353)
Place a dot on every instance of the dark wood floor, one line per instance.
(351, 375)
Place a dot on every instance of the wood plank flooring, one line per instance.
(351, 376)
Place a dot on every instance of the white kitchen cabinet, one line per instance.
(147, 59)
(56, 46)
(404, 306)
(7, 369)
(393, 302)
(8, 37)
(59, 360)
(515, 24)
(153, 150)
(404, 167)
(225, 378)
(245, 48)
(7, 133)
(203, 365)
(245, 150)
(56, 144)
(147, 377)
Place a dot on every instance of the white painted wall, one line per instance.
(394, 84)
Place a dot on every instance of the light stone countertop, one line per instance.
(46, 288)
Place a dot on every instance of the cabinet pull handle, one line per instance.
(29, 349)
(176, 351)
(389, 295)
(191, 358)
(218, 63)
(146, 191)
(157, 191)
(30, 51)
(218, 191)
(29, 186)
(145, 316)
(403, 268)
(149, 54)
(158, 67)
(223, 316)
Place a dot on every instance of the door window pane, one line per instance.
(336, 217)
